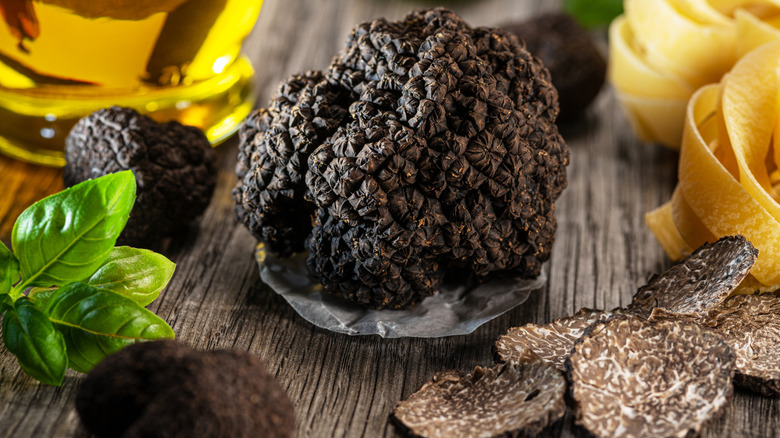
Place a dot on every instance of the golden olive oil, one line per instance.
(171, 59)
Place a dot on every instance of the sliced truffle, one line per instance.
(552, 342)
(700, 282)
(165, 389)
(518, 397)
(427, 146)
(577, 66)
(174, 166)
(631, 377)
(750, 324)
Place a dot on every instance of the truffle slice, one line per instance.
(636, 378)
(174, 167)
(701, 281)
(166, 389)
(519, 397)
(750, 324)
(576, 65)
(552, 342)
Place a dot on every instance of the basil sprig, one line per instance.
(69, 296)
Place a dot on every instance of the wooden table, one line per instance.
(348, 386)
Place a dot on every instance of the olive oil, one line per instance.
(170, 59)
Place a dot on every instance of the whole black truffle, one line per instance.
(428, 146)
(576, 65)
(166, 389)
(174, 166)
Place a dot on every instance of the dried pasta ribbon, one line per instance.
(661, 51)
(728, 168)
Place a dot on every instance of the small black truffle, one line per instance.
(166, 389)
(427, 146)
(576, 65)
(174, 166)
(520, 397)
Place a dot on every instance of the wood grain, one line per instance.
(346, 386)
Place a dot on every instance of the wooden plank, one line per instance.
(345, 386)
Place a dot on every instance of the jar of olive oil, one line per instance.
(170, 59)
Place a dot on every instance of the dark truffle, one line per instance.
(275, 146)
(576, 65)
(750, 324)
(700, 282)
(517, 398)
(552, 342)
(165, 389)
(427, 146)
(174, 167)
(636, 378)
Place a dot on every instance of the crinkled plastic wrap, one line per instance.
(456, 310)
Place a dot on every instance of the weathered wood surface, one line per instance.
(347, 386)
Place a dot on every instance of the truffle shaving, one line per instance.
(701, 281)
(631, 377)
(519, 397)
(750, 324)
(552, 342)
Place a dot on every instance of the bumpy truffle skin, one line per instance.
(576, 65)
(174, 166)
(166, 389)
(275, 145)
(447, 158)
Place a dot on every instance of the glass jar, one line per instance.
(60, 60)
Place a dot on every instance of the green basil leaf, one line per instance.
(594, 13)
(6, 302)
(9, 269)
(138, 274)
(66, 236)
(37, 345)
(97, 322)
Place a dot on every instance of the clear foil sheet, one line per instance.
(455, 310)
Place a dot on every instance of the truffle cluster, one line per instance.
(427, 146)
(174, 166)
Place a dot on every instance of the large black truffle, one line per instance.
(576, 65)
(427, 146)
(174, 166)
(166, 389)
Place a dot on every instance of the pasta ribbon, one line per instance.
(728, 171)
(661, 51)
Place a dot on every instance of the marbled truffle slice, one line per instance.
(750, 324)
(631, 377)
(517, 398)
(701, 281)
(552, 342)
